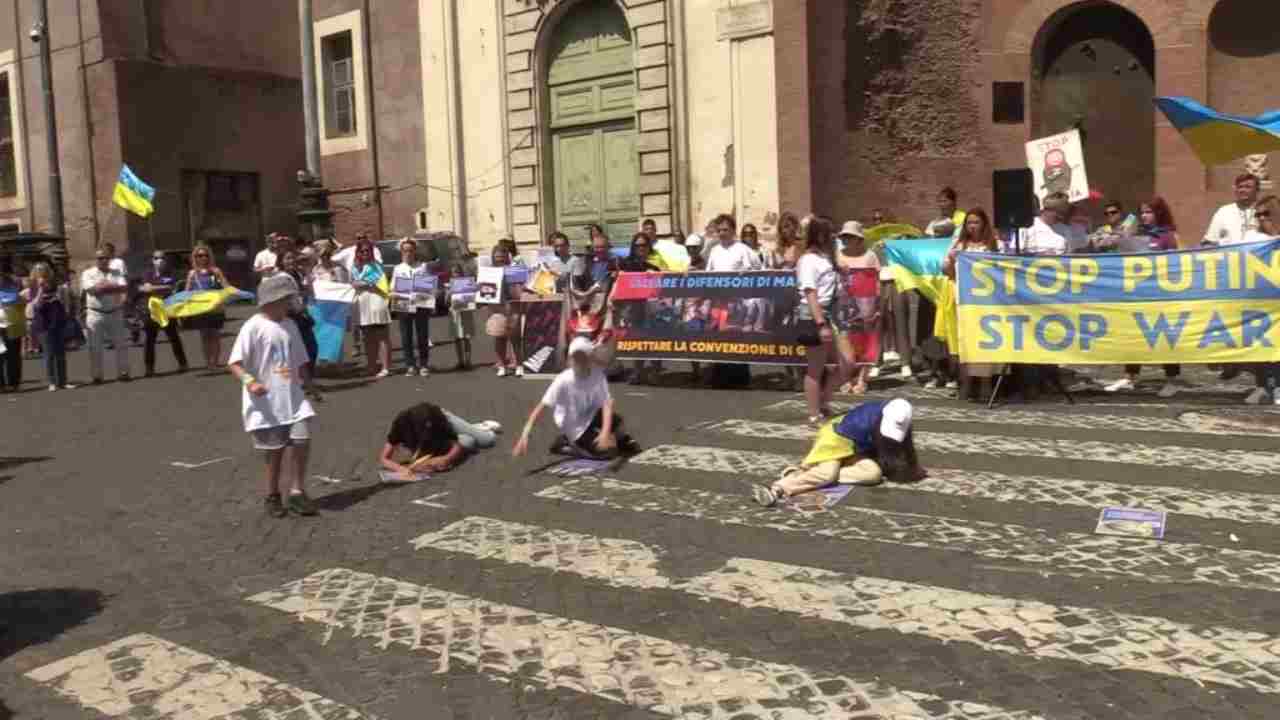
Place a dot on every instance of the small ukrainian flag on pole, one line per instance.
(132, 194)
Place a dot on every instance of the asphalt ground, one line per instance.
(107, 543)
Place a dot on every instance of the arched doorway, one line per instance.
(590, 112)
(1093, 67)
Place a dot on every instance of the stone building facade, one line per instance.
(517, 117)
(193, 98)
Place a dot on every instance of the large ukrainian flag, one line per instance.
(916, 264)
(190, 303)
(132, 194)
(1220, 138)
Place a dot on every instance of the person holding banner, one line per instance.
(503, 324)
(1267, 375)
(13, 327)
(865, 446)
(375, 315)
(816, 282)
(1157, 232)
(205, 275)
(640, 259)
(415, 321)
(977, 236)
(160, 282)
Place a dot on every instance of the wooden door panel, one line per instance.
(577, 170)
(620, 173)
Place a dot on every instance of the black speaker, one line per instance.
(1015, 198)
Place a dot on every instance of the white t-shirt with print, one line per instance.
(1230, 224)
(736, 257)
(1046, 239)
(272, 352)
(815, 272)
(576, 400)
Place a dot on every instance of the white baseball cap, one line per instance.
(581, 345)
(895, 419)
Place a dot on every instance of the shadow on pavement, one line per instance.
(32, 617)
(341, 386)
(5, 712)
(342, 500)
(13, 462)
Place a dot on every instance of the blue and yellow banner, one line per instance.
(132, 194)
(1218, 137)
(1218, 305)
(190, 303)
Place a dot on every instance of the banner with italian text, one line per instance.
(1214, 305)
(732, 317)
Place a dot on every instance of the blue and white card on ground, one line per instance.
(388, 476)
(1132, 522)
(578, 467)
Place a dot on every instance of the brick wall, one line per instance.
(352, 215)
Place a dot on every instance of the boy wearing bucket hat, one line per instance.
(583, 410)
(871, 442)
(270, 362)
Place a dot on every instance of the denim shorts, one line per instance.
(281, 436)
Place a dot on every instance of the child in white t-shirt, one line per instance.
(583, 409)
(270, 361)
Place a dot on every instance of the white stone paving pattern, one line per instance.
(518, 645)
(1248, 462)
(1006, 625)
(1213, 505)
(1071, 554)
(143, 676)
(1189, 422)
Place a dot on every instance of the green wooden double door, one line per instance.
(591, 87)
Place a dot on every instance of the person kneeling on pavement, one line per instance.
(865, 446)
(436, 439)
(583, 411)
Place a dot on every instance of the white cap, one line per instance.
(895, 420)
(853, 228)
(581, 345)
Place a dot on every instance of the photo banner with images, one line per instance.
(542, 335)
(1219, 305)
(730, 317)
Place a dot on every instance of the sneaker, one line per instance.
(1257, 397)
(931, 385)
(68, 386)
(502, 371)
(952, 385)
(628, 447)
(906, 372)
(411, 372)
(275, 508)
(1168, 390)
(816, 420)
(382, 374)
(1277, 399)
(424, 372)
(875, 372)
(1121, 384)
(892, 357)
(301, 504)
(125, 377)
(560, 446)
(519, 371)
(764, 496)
(53, 388)
(492, 426)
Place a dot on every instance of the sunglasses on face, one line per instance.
(201, 255)
(1264, 215)
(1113, 212)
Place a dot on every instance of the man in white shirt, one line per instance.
(266, 262)
(730, 254)
(116, 265)
(1048, 235)
(1233, 221)
(583, 410)
(105, 292)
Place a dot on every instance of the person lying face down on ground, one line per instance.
(435, 439)
(583, 410)
(865, 446)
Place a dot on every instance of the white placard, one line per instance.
(1057, 162)
(489, 282)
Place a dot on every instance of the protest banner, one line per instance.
(1215, 305)
(490, 286)
(1057, 163)
(734, 317)
(542, 335)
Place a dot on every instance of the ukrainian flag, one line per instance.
(1219, 138)
(193, 302)
(917, 265)
(132, 194)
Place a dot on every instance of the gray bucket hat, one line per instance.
(276, 287)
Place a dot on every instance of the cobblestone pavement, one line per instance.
(141, 579)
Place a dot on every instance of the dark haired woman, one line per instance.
(640, 259)
(436, 439)
(977, 235)
(865, 446)
(816, 281)
(1157, 232)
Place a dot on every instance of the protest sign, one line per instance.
(1133, 522)
(1215, 305)
(542, 334)
(462, 293)
(735, 317)
(1057, 163)
(490, 286)
(424, 290)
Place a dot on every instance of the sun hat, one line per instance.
(581, 345)
(895, 419)
(276, 287)
(853, 228)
